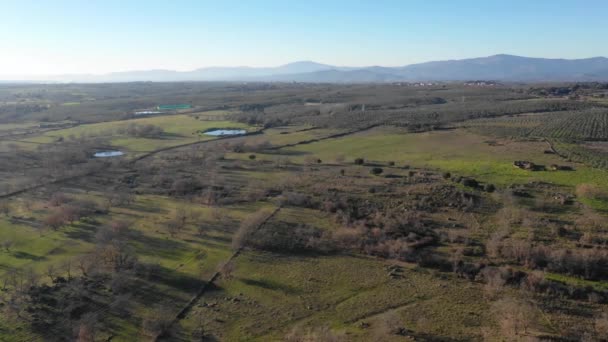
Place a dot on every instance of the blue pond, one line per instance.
(105, 154)
(218, 132)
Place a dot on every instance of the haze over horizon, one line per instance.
(72, 37)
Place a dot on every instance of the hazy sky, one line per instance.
(98, 36)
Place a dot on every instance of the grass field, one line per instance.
(404, 253)
(178, 129)
(193, 253)
(456, 151)
(276, 293)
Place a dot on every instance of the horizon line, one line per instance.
(2, 76)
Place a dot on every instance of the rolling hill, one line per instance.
(501, 67)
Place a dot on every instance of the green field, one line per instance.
(178, 129)
(358, 218)
(455, 151)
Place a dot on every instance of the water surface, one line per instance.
(105, 154)
(218, 132)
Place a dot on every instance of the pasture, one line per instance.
(403, 221)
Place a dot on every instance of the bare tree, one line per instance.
(601, 325)
(156, 321)
(248, 227)
(87, 328)
(515, 317)
(54, 221)
(51, 272)
(5, 208)
(57, 199)
(7, 244)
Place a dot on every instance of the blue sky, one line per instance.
(94, 36)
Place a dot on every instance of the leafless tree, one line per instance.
(57, 199)
(87, 328)
(515, 317)
(51, 272)
(156, 321)
(248, 227)
(55, 220)
(601, 325)
(5, 208)
(7, 244)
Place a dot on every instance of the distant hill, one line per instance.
(497, 68)
(510, 68)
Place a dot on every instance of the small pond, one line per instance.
(219, 132)
(106, 154)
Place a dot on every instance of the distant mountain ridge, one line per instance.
(500, 67)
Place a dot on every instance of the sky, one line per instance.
(41, 37)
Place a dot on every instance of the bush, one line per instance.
(489, 188)
(391, 163)
(376, 171)
(252, 156)
(296, 199)
(470, 182)
(590, 191)
(359, 161)
(147, 131)
(447, 175)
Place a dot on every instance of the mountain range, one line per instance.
(507, 68)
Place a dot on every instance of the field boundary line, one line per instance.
(333, 136)
(208, 284)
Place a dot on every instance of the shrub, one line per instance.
(489, 188)
(359, 161)
(601, 324)
(376, 171)
(58, 199)
(470, 182)
(590, 191)
(391, 163)
(252, 156)
(148, 131)
(185, 186)
(447, 175)
(296, 199)
(516, 317)
(55, 220)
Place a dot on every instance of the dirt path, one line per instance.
(208, 285)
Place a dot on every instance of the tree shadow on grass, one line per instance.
(215, 238)
(283, 152)
(28, 256)
(434, 338)
(82, 231)
(165, 285)
(271, 285)
(155, 246)
(146, 209)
